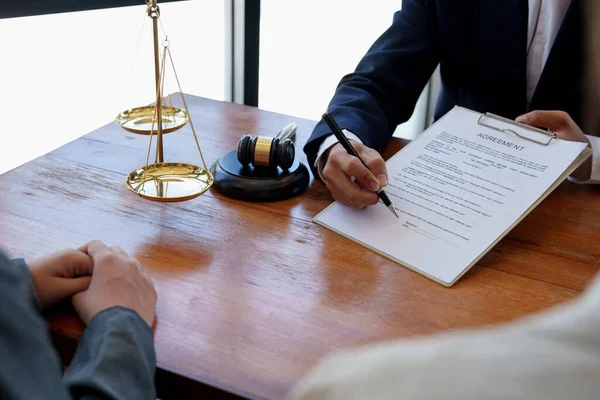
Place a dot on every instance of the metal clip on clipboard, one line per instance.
(510, 121)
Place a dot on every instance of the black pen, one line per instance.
(348, 146)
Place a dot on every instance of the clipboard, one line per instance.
(425, 248)
(520, 125)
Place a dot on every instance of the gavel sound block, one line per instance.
(261, 169)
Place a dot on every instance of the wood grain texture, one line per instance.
(251, 295)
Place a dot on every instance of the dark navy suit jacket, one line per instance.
(481, 48)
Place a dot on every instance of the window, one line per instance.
(307, 47)
(64, 75)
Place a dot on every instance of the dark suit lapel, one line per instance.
(501, 48)
(561, 84)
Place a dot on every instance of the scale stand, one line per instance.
(163, 181)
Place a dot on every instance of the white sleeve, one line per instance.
(595, 176)
(327, 143)
(552, 355)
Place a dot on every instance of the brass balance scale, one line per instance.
(160, 180)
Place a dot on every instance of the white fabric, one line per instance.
(553, 355)
(545, 19)
(595, 175)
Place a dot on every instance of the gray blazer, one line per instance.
(114, 360)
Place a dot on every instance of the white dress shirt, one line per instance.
(545, 19)
(554, 355)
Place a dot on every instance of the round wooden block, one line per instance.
(258, 184)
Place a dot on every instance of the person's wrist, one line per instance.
(108, 312)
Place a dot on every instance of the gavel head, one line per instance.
(266, 152)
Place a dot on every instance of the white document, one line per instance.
(458, 189)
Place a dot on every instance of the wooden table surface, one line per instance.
(251, 295)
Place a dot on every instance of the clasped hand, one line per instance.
(97, 277)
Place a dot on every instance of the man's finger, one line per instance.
(553, 120)
(93, 248)
(344, 199)
(81, 263)
(346, 191)
(117, 250)
(71, 286)
(375, 164)
(352, 166)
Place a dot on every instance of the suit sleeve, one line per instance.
(114, 360)
(383, 90)
(29, 366)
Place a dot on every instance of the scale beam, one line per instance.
(160, 180)
(154, 13)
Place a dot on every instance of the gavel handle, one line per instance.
(288, 132)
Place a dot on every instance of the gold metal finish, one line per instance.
(548, 136)
(169, 181)
(141, 119)
(163, 181)
(154, 13)
(261, 151)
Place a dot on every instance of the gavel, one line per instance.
(268, 152)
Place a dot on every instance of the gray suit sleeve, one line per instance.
(114, 360)
(29, 366)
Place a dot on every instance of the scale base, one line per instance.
(168, 182)
(142, 120)
(234, 180)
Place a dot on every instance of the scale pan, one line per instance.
(139, 119)
(169, 181)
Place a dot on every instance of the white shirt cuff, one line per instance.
(595, 175)
(326, 145)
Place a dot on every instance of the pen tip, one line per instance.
(391, 207)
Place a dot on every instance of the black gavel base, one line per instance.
(234, 180)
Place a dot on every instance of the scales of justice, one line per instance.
(160, 180)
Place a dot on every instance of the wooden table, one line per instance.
(251, 295)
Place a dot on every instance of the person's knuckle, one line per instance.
(95, 243)
(368, 152)
(130, 263)
(359, 147)
(354, 165)
(564, 117)
(328, 171)
(376, 163)
(336, 160)
(108, 258)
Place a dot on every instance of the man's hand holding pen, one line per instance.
(349, 181)
(351, 168)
